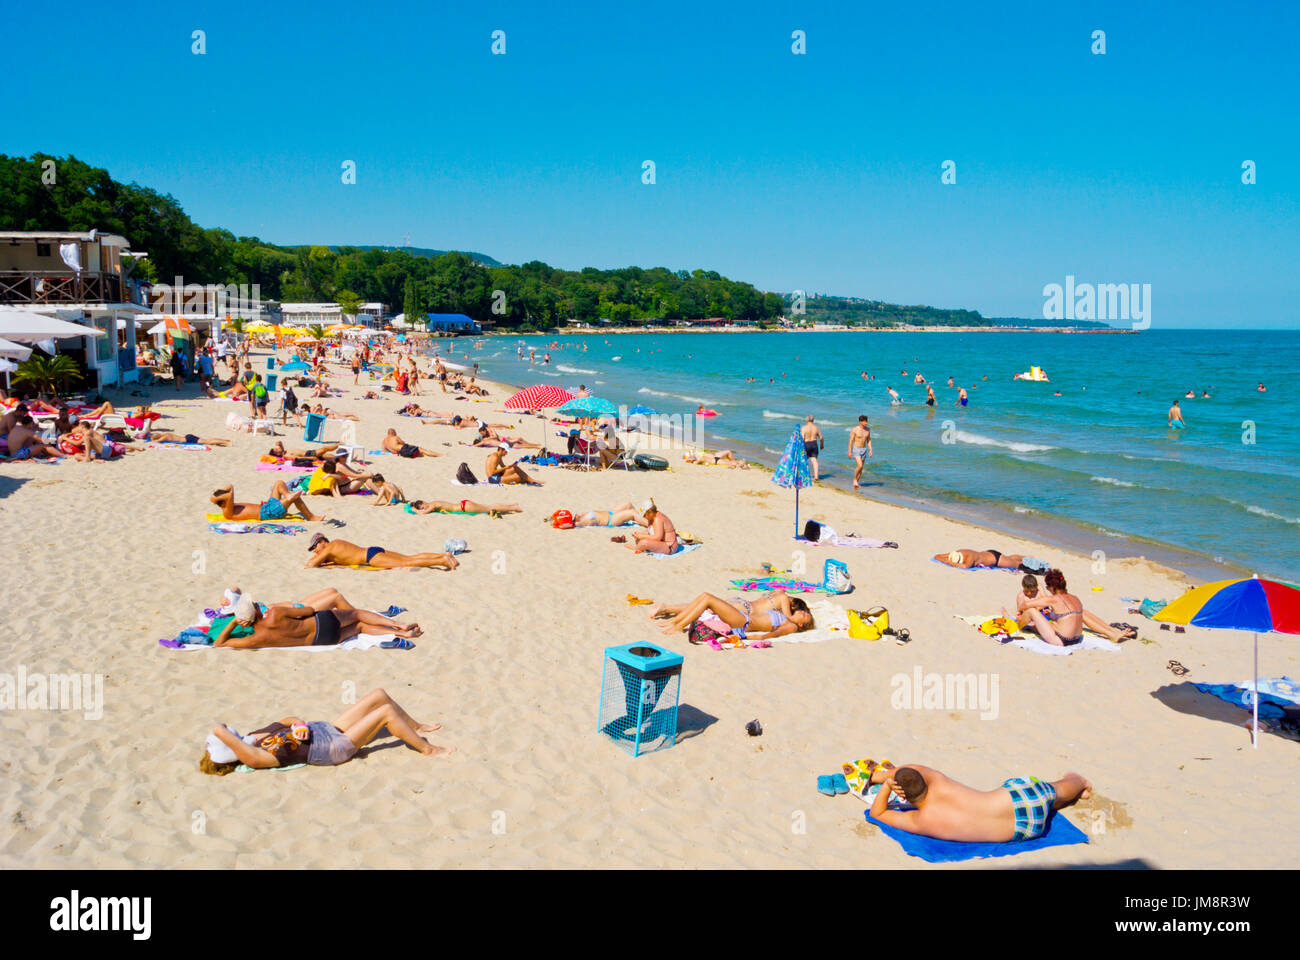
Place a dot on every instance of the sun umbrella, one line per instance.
(643, 411)
(14, 351)
(541, 396)
(588, 408)
(794, 470)
(25, 325)
(1260, 606)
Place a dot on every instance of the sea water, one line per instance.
(1095, 468)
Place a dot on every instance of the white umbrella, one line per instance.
(15, 351)
(7, 366)
(26, 325)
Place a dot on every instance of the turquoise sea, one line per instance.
(1095, 468)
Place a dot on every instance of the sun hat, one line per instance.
(245, 609)
(646, 506)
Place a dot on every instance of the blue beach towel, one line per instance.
(1275, 694)
(681, 548)
(1060, 832)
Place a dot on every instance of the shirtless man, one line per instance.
(487, 437)
(395, 444)
(1176, 417)
(274, 508)
(286, 626)
(1028, 599)
(190, 438)
(894, 398)
(278, 449)
(498, 471)
(326, 552)
(463, 506)
(1059, 618)
(25, 442)
(965, 559)
(860, 443)
(813, 442)
(661, 535)
(1020, 809)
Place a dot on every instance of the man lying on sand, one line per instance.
(395, 444)
(980, 558)
(253, 626)
(292, 740)
(84, 443)
(463, 506)
(776, 614)
(488, 437)
(660, 535)
(1054, 617)
(498, 471)
(947, 810)
(276, 507)
(341, 553)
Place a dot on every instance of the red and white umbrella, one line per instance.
(542, 396)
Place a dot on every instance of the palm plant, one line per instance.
(48, 373)
(317, 331)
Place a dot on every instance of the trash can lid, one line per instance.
(644, 656)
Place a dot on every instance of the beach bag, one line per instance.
(835, 577)
(455, 545)
(1034, 565)
(304, 462)
(812, 530)
(868, 624)
(465, 475)
(700, 633)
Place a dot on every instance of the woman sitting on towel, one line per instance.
(776, 614)
(292, 740)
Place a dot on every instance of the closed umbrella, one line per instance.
(1260, 606)
(794, 470)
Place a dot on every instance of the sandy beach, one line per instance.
(118, 555)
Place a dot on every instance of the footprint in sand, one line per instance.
(1099, 814)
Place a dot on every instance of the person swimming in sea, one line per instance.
(961, 397)
(894, 398)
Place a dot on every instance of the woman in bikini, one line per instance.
(776, 614)
(463, 506)
(292, 740)
(624, 513)
(1059, 617)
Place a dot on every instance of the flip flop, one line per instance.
(826, 785)
(839, 783)
(398, 643)
(619, 539)
(392, 611)
(904, 636)
(1178, 669)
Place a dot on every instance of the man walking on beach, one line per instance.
(860, 443)
(812, 443)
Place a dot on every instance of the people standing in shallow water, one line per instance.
(1176, 417)
(813, 442)
(859, 444)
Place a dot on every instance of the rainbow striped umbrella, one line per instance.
(1260, 606)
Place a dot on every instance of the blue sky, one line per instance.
(818, 172)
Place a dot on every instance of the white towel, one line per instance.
(1036, 644)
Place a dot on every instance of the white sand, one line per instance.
(106, 559)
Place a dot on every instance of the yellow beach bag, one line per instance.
(868, 624)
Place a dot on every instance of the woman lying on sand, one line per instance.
(463, 506)
(293, 740)
(622, 514)
(965, 559)
(724, 457)
(778, 614)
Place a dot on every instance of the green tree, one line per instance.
(48, 374)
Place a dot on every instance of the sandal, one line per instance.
(904, 636)
(619, 539)
(1178, 669)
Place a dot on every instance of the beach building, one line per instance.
(80, 277)
(325, 314)
(451, 323)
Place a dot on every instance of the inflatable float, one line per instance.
(647, 462)
(706, 413)
(1033, 373)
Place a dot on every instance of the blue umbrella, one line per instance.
(794, 470)
(295, 366)
(588, 407)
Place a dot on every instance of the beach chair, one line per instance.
(348, 448)
(110, 421)
(625, 454)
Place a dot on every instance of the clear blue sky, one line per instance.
(819, 172)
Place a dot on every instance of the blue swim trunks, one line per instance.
(273, 509)
(1031, 802)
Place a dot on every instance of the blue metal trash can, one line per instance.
(639, 696)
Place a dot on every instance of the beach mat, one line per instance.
(178, 446)
(1275, 695)
(240, 526)
(682, 548)
(1035, 644)
(950, 567)
(777, 583)
(1060, 833)
(221, 518)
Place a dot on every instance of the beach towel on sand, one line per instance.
(777, 583)
(1035, 644)
(203, 621)
(681, 548)
(1060, 832)
(236, 526)
(1275, 695)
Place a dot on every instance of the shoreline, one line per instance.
(1056, 532)
(828, 328)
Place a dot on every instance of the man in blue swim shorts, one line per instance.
(275, 507)
(940, 807)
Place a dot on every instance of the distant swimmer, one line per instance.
(859, 444)
(895, 399)
(929, 395)
(1205, 394)
(1261, 388)
(961, 396)
(950, 381)
(813, 442)
(918, 379)
(1189, 395)
(1176, 417)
